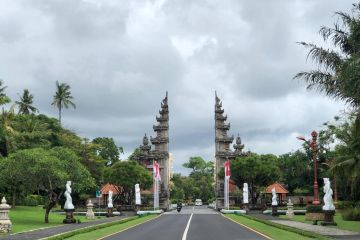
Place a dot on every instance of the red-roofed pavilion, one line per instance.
(280, 191)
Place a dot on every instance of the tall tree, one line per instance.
(108, 150)
(126, 174)
(200, 182)
(25, 103)
(338, 76)
(256, 170)
(7, 131)
(3, 98)
(62, 98)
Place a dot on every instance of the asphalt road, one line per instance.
(205, 224)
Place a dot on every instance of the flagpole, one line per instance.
(154, 184)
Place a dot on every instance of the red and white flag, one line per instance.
(227, 169)
(156, 171)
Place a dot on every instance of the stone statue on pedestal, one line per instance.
(110, 200)
(328, 200)
(274, 198)
(68, 206)
(68, 203)
(110, 204)
(245, 193)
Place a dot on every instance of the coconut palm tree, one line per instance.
(338, 72)
(338, 76)
(62, 98)
(7, 131)
(25, 103)
(3, 98)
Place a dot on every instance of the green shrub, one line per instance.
(344, 204)
(351, 214)
(32, 200)
(314, 209)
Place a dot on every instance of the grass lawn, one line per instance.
(29, 218)
(341, 224)
(112, 229)
(273, 232)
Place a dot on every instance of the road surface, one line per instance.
(192, 223)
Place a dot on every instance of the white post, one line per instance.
(226, 192)
(99, 206)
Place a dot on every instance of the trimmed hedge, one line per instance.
(351, 214)
(314, 209)
(287, 228)
(91, 228)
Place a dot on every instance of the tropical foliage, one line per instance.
(25, 103)
(62, 98)
(338, 76)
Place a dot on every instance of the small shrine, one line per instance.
(280, 190)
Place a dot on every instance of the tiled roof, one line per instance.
(278, 188)
(107, 187)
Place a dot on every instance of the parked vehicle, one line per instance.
(198, 202)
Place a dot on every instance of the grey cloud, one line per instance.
(120, 57)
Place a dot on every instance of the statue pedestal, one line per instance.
(69, 216)
(246, 207)
(274, 210)
(329, 218)
(110, 212)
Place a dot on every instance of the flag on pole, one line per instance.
(156, 171)
(227, 169)
(226, 185)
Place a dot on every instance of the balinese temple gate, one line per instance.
(159, 152)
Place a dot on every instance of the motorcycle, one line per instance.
(178, 208)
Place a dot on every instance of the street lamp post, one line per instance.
(313, 146)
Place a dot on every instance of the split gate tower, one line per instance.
(222, 149)
(159, 153)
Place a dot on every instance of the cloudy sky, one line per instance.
(120, 57)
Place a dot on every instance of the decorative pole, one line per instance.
(313, 146)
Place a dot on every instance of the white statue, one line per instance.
(110, 200)
(245, 193)
(274, 198)
(137, 194)
(68, 203)
(328, 200)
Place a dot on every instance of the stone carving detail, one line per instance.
(328, 200)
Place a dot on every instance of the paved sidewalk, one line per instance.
(327, 231)
(51, 231)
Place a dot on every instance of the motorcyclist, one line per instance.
(179, 206)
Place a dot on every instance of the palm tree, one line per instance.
(338, 72)
(338, 76)
(62, 97)
(7, 132)
(3, 98)
(25, 102)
